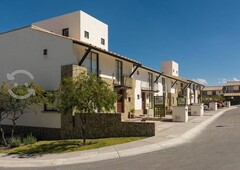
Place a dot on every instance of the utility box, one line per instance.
(228, 103)
(213, 106)
(180, 114)
(197, 109)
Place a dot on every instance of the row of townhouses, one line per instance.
(230, 92)
(65, 44)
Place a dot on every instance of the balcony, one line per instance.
(124, 83)
(146, 86)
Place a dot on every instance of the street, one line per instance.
(216, 148)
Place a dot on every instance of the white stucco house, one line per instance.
(78, 39)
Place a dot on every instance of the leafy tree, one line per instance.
(13, 104)
(85, 94)
(208, 99)
(3, 113)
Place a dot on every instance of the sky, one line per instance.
(202, 36)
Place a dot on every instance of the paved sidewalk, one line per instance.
(168, 134)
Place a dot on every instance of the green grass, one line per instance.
(63, 146)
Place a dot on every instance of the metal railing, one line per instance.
(149, 86)
(123, 81)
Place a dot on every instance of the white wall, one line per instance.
(170, 68)
(36, 118)
(78, 22)
(142, 78)
(56, 24)
(96, 29)
(23, 50)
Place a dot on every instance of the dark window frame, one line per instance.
(102, 41)
(45, 51)
(86, 34)
(65, 32)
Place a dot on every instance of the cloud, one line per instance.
(235, 79)
(201, 81)
(222, 81)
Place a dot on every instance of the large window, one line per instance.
(91, 63)
(118, 71)
(230, 89)
(150, 81)
(164, 84)
(151, 99)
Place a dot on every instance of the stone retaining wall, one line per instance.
(103, 125)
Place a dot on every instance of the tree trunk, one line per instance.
(84, 122)
(84, 134)
(13, 128)
(3, 136)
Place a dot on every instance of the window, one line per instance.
(65, 32)
(230, 89)
(86, 34)
(164, 84)
(102, 41)
(91, 63)
(150, 100)
(45, 52)
(150, 81)
(118, 72)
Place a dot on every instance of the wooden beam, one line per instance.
(157, 78)
(187, 86)
(134, 70)
(84, 56)
(174, 83)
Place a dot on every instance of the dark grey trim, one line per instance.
(84, 56)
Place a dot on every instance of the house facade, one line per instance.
(47, 48)
(232, 92)
(213, 90)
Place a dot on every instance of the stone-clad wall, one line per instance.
(102, 125)
(129, 101)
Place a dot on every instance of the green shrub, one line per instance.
(30, 139)
(14, 142)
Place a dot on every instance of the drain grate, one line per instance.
(220, 126)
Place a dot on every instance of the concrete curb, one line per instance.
(92, 157)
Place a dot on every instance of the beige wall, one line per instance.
(36, 117)
(78, 22)
(23, 50)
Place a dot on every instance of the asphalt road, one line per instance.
(218, 147)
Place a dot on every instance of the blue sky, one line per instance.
(203, 36)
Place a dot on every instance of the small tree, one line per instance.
(3, 112)
(85, 94)
(15, 105)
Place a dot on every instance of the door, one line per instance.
(144, 103)
(120, 102)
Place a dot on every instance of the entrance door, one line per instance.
(144, 103)
(120, 102)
